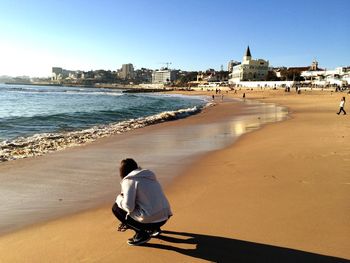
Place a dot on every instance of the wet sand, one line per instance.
(279, 194)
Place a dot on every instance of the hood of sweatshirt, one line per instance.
(141, 173)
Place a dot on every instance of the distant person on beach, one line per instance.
(213, 97)
(141, 205)
(341, 106)
(243, 95)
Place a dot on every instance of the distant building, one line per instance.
(143, 75)
(295, 73)
(127, 71)
(57, 73)
(57, 70)
(206, 76)
(231, 64)
(250, 69)
(313, 67)
(339, 76)
(212, 76)
(60, 74)
(164, 75)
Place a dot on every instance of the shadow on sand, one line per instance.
(221, 249)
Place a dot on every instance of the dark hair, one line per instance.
(126, 166)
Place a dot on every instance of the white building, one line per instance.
(250, 69)
(231, 64)
(164, 75)
(60, 74)
(339, 76)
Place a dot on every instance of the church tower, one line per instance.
(314, 65)
(247, 55)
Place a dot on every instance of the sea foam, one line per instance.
(40, 144)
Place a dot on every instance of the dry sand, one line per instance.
(280, 194)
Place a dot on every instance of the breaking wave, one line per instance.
(42, 143)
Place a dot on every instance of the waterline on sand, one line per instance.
(40, 144)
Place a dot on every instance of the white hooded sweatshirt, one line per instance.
(143, 198)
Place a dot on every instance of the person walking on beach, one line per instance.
(341, 106)
(141, 205)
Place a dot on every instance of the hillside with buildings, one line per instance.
(250, 72)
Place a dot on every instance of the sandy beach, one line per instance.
(278, 194)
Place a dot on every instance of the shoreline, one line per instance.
(48, 181)
(293, 198)
(43, 143)
(38, 140)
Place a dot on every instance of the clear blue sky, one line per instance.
(194, 35)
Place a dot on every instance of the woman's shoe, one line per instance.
(155, 232)
(139, 238)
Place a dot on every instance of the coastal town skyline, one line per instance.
(192, 37)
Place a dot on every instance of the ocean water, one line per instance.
(29, 110)
(39, 119)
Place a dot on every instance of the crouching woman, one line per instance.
(141, 205)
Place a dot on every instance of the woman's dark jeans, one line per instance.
(137, 226)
